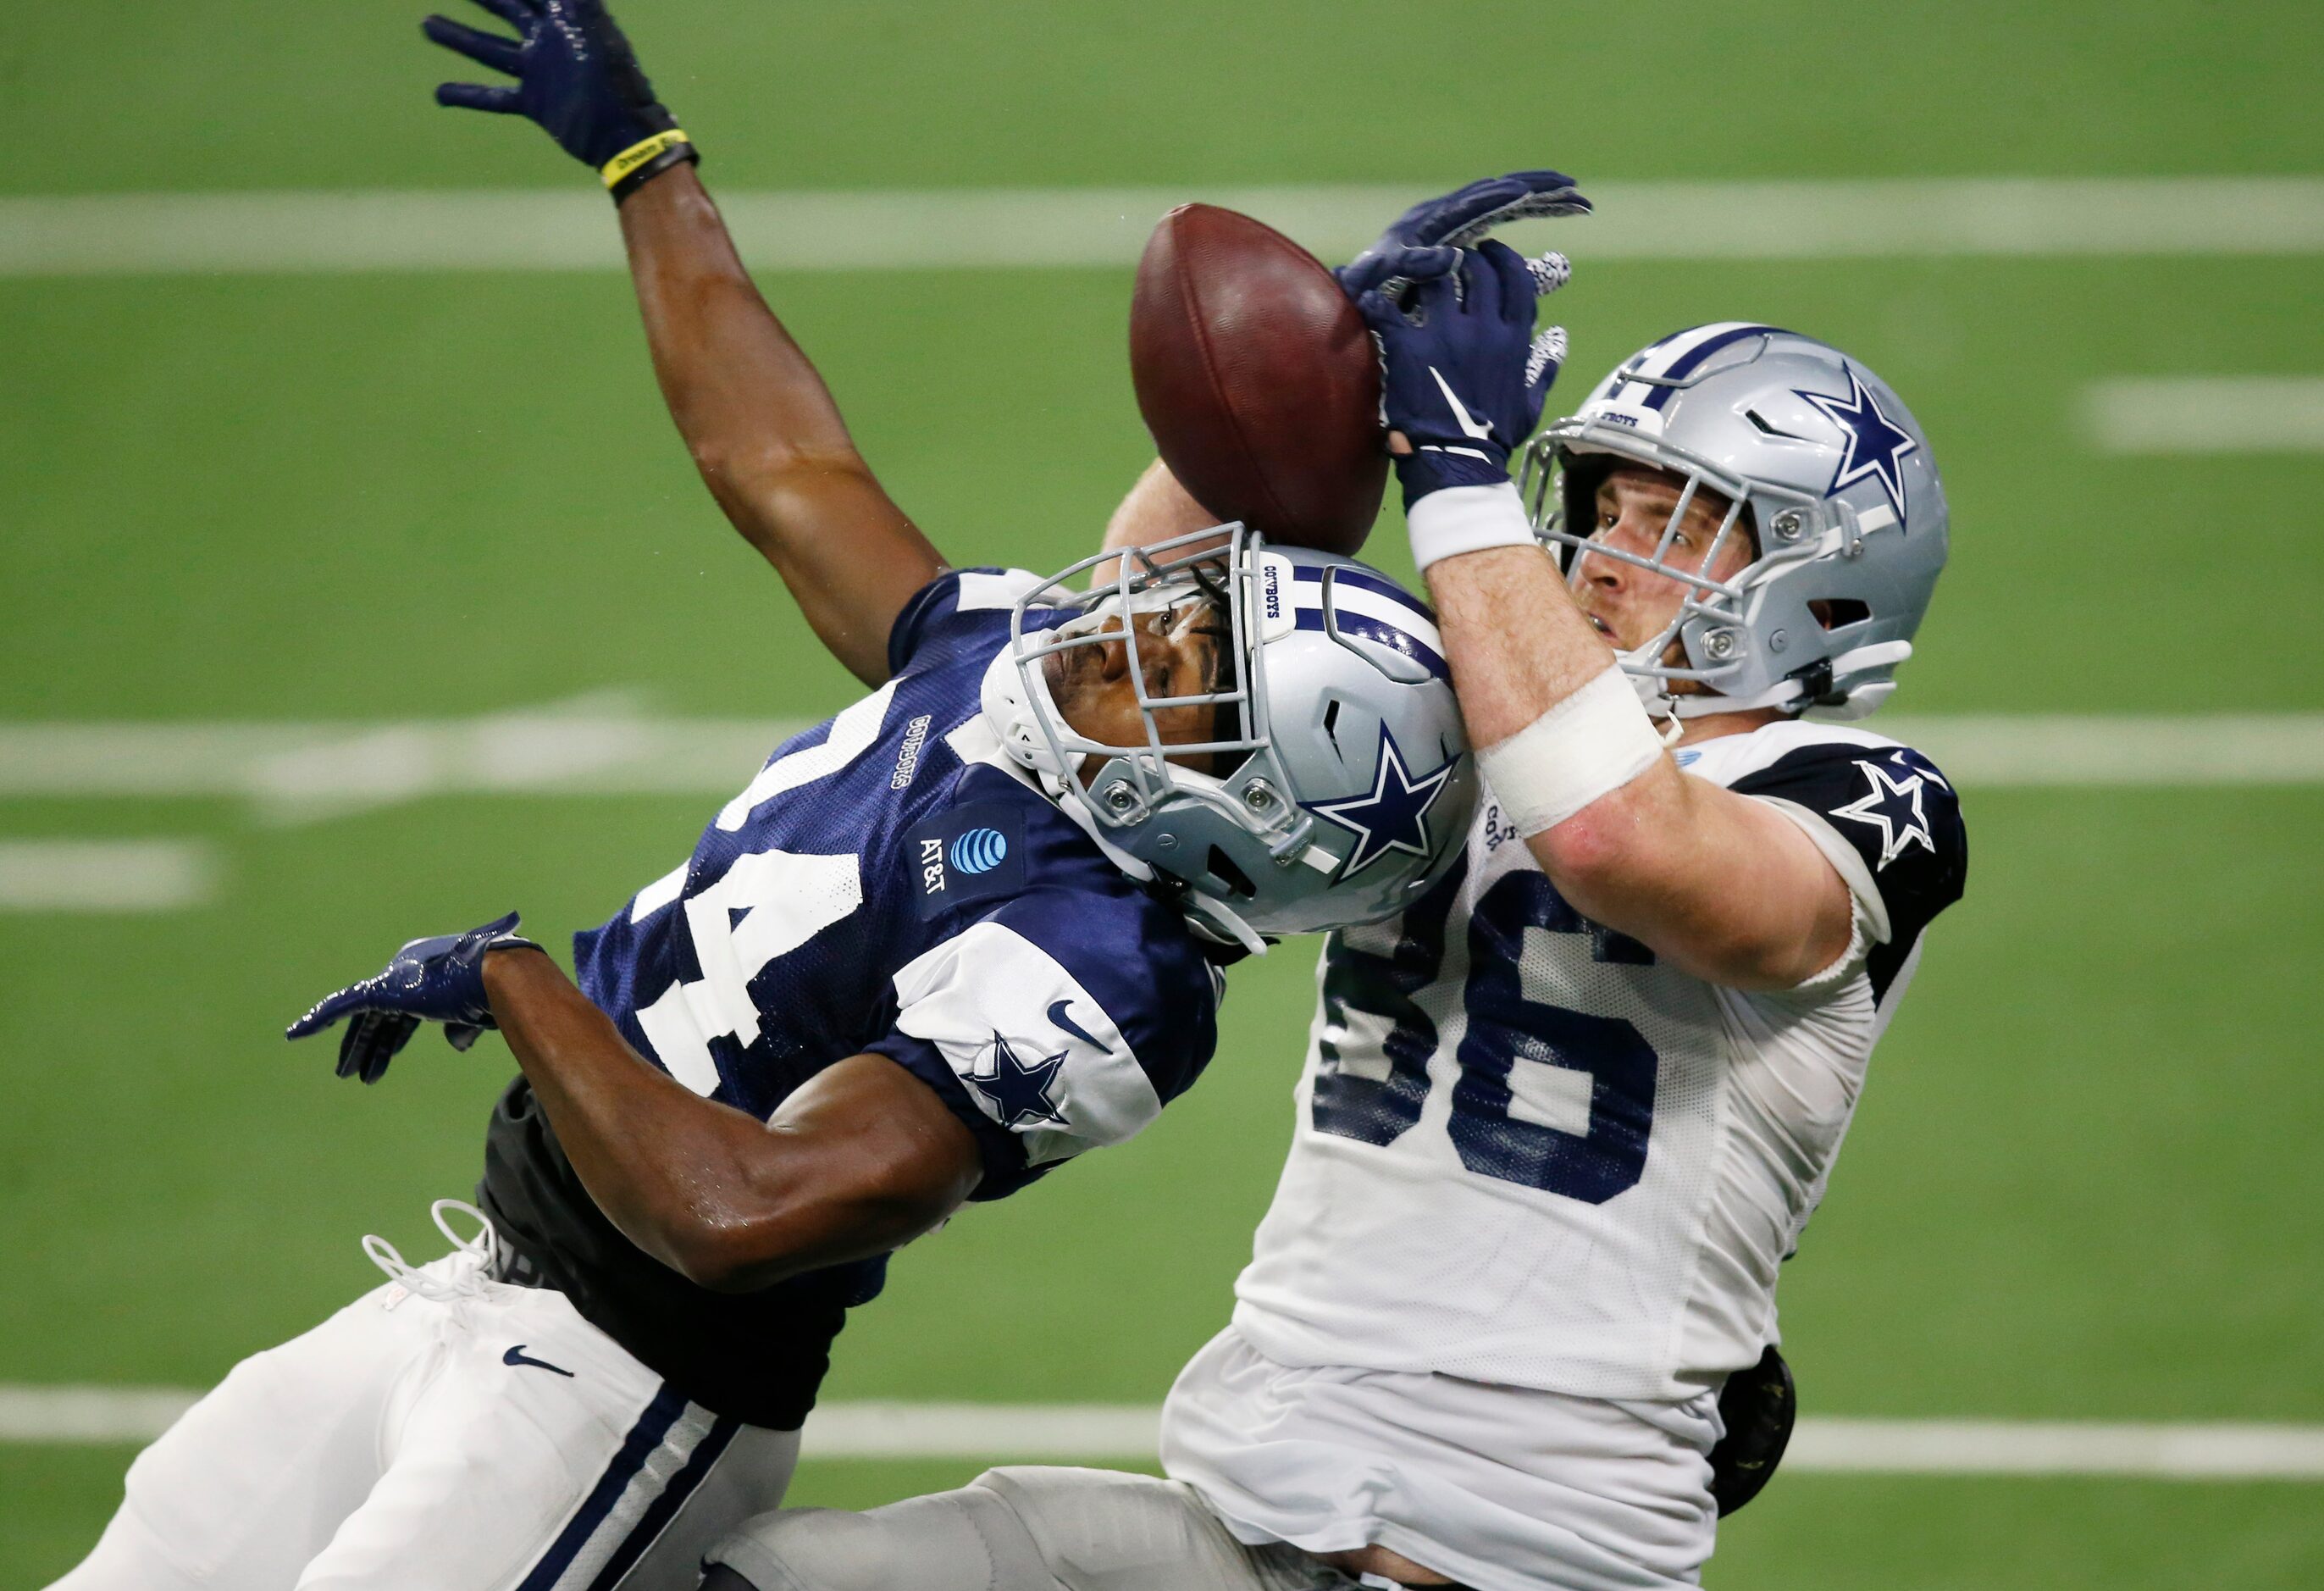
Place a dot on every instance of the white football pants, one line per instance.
(444, 1431)
(1500, 1487)
(1019, 1529)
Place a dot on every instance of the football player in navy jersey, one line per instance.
(966, 929)
(1510, 1321)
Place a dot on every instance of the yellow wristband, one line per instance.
(638, 154)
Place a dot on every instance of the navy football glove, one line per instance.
(440, 979)
(578, 77)
(1459, 219)
(1461, 374)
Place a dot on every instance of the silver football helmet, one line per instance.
(1340, 785)
(1827, 472)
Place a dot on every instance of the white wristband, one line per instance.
(1595, 741)
(1466, 518)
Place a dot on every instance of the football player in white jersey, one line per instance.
(1561, 1121)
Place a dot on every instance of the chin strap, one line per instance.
(1219, 922)
(1790, 695)
(1654, 695)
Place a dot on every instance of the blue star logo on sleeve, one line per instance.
(1875, 444)
(1394, 817)
(1016, 1092)
(1893, 805)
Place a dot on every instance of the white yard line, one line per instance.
(73, 1415)
(2206, 414)
(292, 772)
(1060, 1431)
(1083, 1431)
(303, 771)
(1994, 1446)
(105, 876)
(569, 229)
(2041, 750)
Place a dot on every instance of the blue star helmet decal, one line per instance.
(1020, 1093)
(1875, 444)
(1394, 817)
(1893, 803)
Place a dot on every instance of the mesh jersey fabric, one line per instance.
(1530, 1153)
(886, 884)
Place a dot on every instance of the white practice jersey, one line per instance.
(1530, 1153)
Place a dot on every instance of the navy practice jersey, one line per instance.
(889, 883)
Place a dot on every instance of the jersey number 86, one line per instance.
(1504, 1028)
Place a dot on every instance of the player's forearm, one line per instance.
(1716, 884)
(1517, 643)
(1719, 885)
(1156, 509)
(723, 1200)
(763, 429)
(742, 391)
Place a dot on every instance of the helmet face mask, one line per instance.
(1312, 698)
(1136, 777)
(1818, 460)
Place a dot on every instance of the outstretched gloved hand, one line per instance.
(1463, 376)
(578, 77)
(440, 980)
(1458, 218)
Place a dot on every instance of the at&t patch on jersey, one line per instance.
(967, 853)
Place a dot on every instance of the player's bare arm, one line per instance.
(1718, 883)
(863, 1158)
(764, 431)
(761, 424)
(860, 1159)
(1156, 509)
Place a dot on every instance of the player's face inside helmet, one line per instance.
(1634, 507)
(1183, 653)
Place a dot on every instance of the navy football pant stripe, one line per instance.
(639, 1446)
(674, 1496)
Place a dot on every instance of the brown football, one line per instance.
(1257, 378)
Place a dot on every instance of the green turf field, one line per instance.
(2083, 1184)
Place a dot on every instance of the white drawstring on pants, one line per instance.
(482, 1252)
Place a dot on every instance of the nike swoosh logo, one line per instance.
(1460, 411)
(517, 1356)
(1059, 1017)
